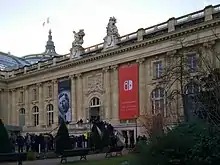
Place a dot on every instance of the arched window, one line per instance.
(22, 117)
(50, 120)
(94, 112)
(157, 97)
(95, 102)
(35, 111)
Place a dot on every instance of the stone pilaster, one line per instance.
(5, 105)
(13, 110)
(73, 98)
(107, 99)
(79, 97)
(55, 101)
(142, 87)
(2, 108)
(115, 94)
(9, 106)
(41, 104)
(26, 106)
(209, 54)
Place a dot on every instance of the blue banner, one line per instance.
(64, 101)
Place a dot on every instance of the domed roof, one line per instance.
(8, 62)
(49, 52)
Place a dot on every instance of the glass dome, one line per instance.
(8, 62)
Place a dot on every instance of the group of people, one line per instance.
(32, 142)
(46, 142)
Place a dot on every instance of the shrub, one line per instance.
(5, 144)
(31, 155)
(188, 143)
(63, 141)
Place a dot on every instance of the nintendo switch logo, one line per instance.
(128, 85)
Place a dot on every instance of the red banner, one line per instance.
(128, 92)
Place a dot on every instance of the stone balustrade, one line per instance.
(173, 24)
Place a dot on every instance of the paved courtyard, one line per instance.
(57, 160)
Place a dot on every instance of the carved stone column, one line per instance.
(115, 94)
(26, 106)
(107, 100)
(73, 98)
(55, 101)
(142, 87)
(41, 104)
(79, 96)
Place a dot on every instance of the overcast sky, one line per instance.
(22, 33)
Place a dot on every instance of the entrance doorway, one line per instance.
(94, 109)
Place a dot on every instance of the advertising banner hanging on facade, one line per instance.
(64, 101)
(128, 92)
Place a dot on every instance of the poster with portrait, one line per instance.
(64, 101)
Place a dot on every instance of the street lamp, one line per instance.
(135, 128)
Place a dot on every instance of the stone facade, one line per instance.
(31, 90)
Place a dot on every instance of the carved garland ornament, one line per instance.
(95, 84)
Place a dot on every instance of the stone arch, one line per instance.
(93, 95)
(99, 107)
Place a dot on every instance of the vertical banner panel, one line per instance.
(64, 100)
(128, 92)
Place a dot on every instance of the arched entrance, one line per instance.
(94, 108)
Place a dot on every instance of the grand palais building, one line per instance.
(118, 81)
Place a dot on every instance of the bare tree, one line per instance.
(180, 70)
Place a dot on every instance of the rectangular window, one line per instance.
(34, 94)
(50, 91)
(158, 106)
(36, 120)
(50, 119)
(192, 63)
(157, 69)
(21, 97)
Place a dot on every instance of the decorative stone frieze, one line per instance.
(95, 83)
